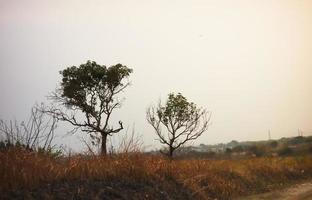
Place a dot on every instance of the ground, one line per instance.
(302, 191)
(104, 190)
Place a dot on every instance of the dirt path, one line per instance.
(301, 191)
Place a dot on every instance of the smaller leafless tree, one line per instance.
(130, 142)
(36, 133)
(177, 122)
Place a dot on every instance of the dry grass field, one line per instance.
(27, 175)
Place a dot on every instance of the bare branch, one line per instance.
(37, 133)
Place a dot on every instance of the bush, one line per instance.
(285, 151)
(297, 140)
(228, 150)
(238, 149)
(273, 144)
(256, 150)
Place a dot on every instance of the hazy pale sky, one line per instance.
(248, 61)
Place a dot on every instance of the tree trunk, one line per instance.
(171, 152)
(103, 145)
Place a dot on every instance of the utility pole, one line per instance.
(300, 132)
(269, 134)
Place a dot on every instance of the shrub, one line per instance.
(285, 151)
(256, 150)
(273, 144)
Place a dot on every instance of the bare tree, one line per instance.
(37, 133)
(177, 122)
(130, 142)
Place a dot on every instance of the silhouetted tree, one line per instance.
(92, 90)
(181, 119)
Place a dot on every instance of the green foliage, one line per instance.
(182, 120)
(177, 110)
(92, 89)
(91, 84)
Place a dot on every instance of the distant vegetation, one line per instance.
(293, 146)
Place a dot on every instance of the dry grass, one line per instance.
(205, 179)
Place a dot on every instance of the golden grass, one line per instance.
(221, 179)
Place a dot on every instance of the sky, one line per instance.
(247, 61)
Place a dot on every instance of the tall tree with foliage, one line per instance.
(177, 121)
(90, 95)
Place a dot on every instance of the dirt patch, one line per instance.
(301, 191)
